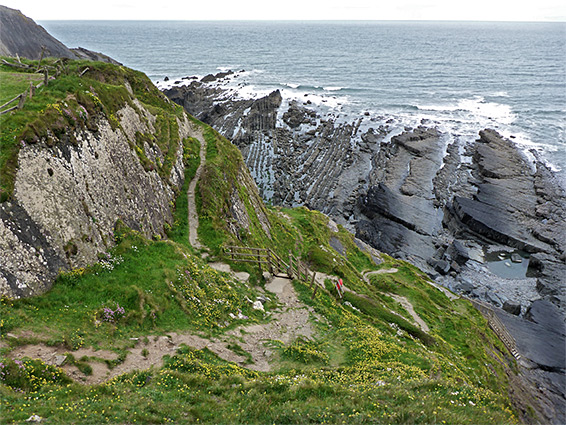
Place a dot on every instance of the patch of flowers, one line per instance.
(109, 262)
(75, 340)
(30, 374)
(209, 295)
(110, 314)
(190, 360)
(72, 277)
(306, 351)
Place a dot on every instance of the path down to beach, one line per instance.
(192, 206)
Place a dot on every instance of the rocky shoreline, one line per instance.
(455, 208)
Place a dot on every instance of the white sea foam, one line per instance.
(291, 85)
(491, 111)
(500, 94)
(475, 109)
(174, 82)
(462, 118)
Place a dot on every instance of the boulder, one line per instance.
(442, 266)
(512, 307)
(547, 315)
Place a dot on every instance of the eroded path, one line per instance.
(192, 207)
(409, 307)
(290, 320)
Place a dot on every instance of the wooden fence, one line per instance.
(497, 326)
(60, 67)
(295, 268)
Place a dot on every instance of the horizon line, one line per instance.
(560, 20)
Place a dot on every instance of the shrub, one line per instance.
(30, 375)
(305, 351)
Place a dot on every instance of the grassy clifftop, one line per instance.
(365, 359)
(81, 93)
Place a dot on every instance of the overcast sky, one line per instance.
(476, 10)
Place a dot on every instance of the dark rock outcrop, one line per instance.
(82, 53)
(435, 199)
(20, 35)
(421, 195)
(300, 158)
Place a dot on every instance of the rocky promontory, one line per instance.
(482, 217)
(20, 35)
(445, 203)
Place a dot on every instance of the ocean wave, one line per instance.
(332, 88)
(476, 109)
(290, 85)
(500, 94)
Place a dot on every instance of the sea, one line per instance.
(461, 77)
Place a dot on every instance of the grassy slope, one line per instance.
(72, 102)
(366, 365)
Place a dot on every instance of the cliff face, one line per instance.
(20, 34)
(68, 196)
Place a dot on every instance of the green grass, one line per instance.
(71, 102)
(15, 83)
(365, 364)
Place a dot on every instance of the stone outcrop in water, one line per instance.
(421, 195)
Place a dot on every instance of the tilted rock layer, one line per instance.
(421, 195)
(445, 204)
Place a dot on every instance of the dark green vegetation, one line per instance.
(75, 102)
(368, 363)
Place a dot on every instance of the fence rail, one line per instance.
(294, 268)
(58, 68)
(497, 326)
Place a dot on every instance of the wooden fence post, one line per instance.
(314, 292)
(22, 100)
(290, 270)
(269, 261)
(258, 261)
(312, 280)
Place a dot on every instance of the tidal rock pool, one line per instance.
(508, 265)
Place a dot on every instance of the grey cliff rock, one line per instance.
(69, 197)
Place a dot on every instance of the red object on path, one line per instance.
(339, 286)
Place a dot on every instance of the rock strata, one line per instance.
(296, 156)
(421, 195)
(448, 204)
